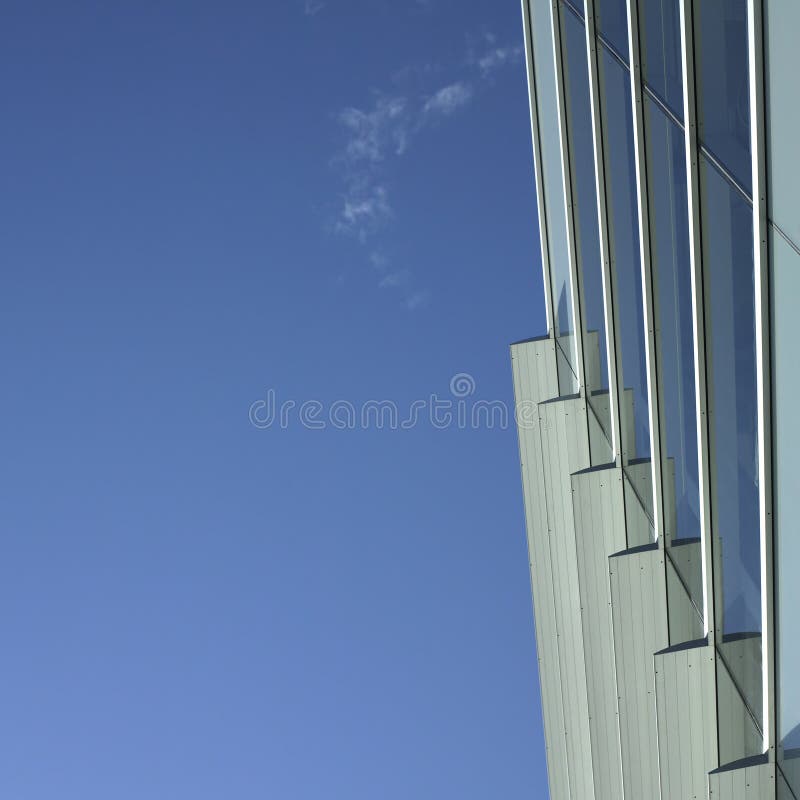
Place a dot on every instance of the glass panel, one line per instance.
(661, 50)
(579, 132)
(730, 342)
(723, 100)
(615, 97)
(612, 24)
(578, 6)
(552, 178)
(638, 487)
(669, 232)
(782, 22)
(786, 424)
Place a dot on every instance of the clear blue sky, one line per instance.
(202, 201)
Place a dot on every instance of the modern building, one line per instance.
(658, 428)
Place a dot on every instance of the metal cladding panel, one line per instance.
(565, 449)
(599, 532)
(534, 370)
(638, 598)
(754, 782)
(687, 720)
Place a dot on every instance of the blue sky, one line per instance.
(202, 202)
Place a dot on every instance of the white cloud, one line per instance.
(498, 57)
(393, 280)
(313, 7)
(364, 211)
(418, 300)
(371, 133)
(378, 260)
(449, 98)
(382, 131)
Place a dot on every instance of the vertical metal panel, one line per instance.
(687, 720)
(535, 379)
(754, 781)
(544, 248)
(599, 532)
(638, 596)
(565, 450)
(763, 361)
(698, 307)
(615, 383)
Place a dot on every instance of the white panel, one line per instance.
(638, 594)
(753, 782)
(565, 449)
(600, 532)
(533, 366)
(687, 724)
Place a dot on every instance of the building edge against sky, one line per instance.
(657, 435)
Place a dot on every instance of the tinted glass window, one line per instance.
(661, 50)
(615, 97)
(579, 131)
(723, 97)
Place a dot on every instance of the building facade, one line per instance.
(658, 437)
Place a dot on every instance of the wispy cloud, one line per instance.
(363, 211)
(497, 57)
(394, 280)
(371, 132)
(312, 7)
(418, 300)
(376, 136)
(448, 99)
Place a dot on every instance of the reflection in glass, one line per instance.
(615, 97)
(728, 265)
(552, 179)
(612, 24)
(659, 23)
(723, 100)
(669, 232)
(786, 486)
(579, 132)
(727, 233)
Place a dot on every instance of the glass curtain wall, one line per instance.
(726, 261)
(723, 110)
(614, 79)
(668, 210)
(553, 181)
(721, 68)
(584, 192)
